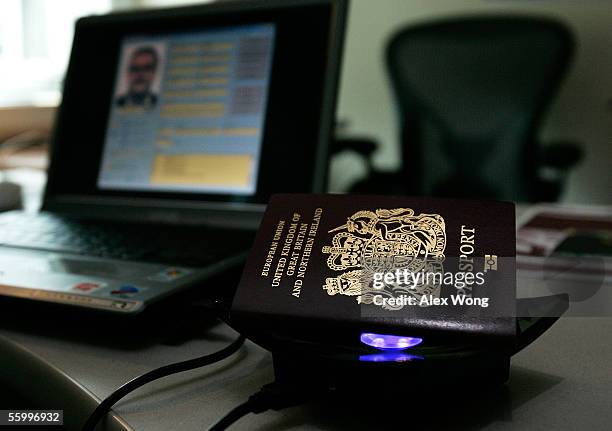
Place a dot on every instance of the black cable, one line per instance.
(158, 373)
(233, 416)
(274, 396)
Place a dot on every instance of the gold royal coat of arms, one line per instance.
(385, 241)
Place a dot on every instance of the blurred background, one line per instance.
(389, 141)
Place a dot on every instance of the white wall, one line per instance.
(582, 111)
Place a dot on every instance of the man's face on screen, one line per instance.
(141, 73)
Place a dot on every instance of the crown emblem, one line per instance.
(348, 284)
(383, 241)
(345, 251)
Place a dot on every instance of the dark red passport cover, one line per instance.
(314, 260)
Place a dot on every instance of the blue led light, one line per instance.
(389, 342)
(390, 357)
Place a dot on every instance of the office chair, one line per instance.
(471, 93)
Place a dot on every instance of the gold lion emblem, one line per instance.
(383, 241)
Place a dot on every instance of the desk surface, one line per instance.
(563, 382)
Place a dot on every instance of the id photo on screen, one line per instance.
(140, 75)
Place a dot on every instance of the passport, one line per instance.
(336, 264)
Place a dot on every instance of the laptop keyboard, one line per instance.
(191, 246)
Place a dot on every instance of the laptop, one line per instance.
(175, 127)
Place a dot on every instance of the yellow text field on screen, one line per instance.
(212, 80)
(213, 92)
(193, 109)
(182, 71)
(185, 59)
(241, 131)
(218, 46)
(182, 58)
(197, 169)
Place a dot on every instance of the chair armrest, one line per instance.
(560, 155)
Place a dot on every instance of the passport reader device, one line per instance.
(347, 291)
(175, 127)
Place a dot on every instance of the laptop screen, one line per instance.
(188, 111)
(196, 110)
